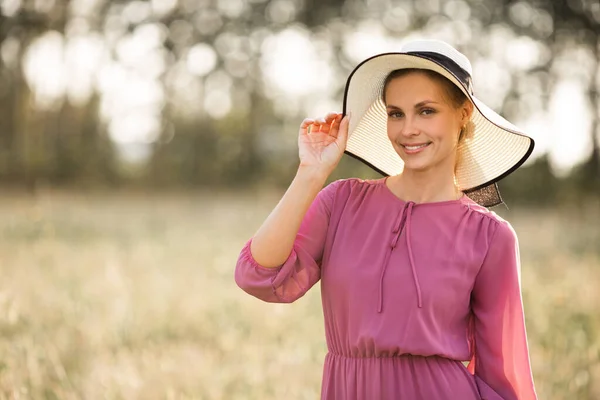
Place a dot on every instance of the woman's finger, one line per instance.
(316, 128)
(335, 125)
(342, 136)
(305, 126)
(329, 118)
(323, 124)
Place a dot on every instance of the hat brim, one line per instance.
(495, 150)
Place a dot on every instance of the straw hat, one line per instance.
(496, 148)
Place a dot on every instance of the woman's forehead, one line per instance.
(414, 85)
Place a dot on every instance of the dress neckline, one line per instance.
(386, 189)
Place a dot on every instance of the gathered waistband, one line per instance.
(394, 375)
(391, 356)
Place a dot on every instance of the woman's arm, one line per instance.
(272, 243)
(282, 260)
(501, 356)
(301, 268)
(321, 144)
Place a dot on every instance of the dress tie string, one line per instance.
(403, 220)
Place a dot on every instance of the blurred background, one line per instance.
(142, 142)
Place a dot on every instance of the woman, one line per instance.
(417, 275)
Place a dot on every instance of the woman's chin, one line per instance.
(415, 165)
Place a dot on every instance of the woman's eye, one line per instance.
(395, 114)
(427, 111)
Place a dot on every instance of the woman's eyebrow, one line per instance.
(425, 102)
(418, 105)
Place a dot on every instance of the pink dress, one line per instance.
(409, 291)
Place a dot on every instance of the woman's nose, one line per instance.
(409, 128)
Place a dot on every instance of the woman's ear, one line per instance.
(467, 112)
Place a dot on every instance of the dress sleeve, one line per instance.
(501, 354)
(301, 270)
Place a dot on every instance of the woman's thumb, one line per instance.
(342, 137)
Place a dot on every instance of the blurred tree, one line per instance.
(219, 113)
(60, 144)
(573, 22)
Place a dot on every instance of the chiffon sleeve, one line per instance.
(291, 280)
(501, 354)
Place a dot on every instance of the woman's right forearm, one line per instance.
(273, 242)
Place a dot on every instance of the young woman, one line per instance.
(417, 275)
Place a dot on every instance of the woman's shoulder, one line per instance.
(501, 226)
(353, 184)
(357, 182)
(351, 189)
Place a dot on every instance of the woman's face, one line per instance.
(423, 125)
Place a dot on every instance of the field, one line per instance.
(131, 296)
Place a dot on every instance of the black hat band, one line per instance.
(463, 76)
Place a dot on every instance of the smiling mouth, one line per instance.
(415, 147)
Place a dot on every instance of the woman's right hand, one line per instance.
(322, 142)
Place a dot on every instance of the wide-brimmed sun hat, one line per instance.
(495, 149)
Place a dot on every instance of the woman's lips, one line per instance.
(415, 148)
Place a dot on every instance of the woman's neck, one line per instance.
(424, 186)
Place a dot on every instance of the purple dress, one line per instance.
(409, 291)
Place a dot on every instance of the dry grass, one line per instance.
(132, 297)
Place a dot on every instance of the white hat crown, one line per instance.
(440, 47)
